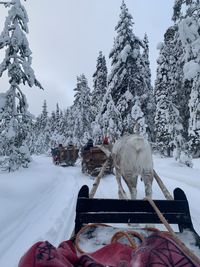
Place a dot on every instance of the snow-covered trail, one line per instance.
(38, 203)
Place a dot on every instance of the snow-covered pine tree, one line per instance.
(82, 112)
(18, 63)
(100, 84)
(126, 64)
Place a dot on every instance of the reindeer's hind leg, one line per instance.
(121, 192)
(148, 180)
(131, 182)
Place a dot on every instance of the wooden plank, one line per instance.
(125, 217)
(119, 205)
(133, 211)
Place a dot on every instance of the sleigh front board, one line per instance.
(114, 211)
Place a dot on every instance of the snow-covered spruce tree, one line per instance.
(162, 133)
(56, 126)
(82, 112)
(100, 84)
(53, 125)
(3, 122)
(126, 61)
(146, 62)
(181, 8)
(57, 116)
(170, 128)
(108, 121)
(30, 137)
(149, 105)
(42, 132)
(59, 125)
(167, 90)
(186, 15)
(62, 126)
(68, 123)
(194, 120)
(180, 151)
(137, 119)
(182, 19)
(124, 104)
(17, 62)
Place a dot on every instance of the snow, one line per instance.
(160, 45)
(38, 203)
(125, 52)
(191, 69)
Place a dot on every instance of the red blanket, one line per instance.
(158, 250)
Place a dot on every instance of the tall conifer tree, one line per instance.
(82, 112)
(100, 83)
(126, 78)
(17, 62)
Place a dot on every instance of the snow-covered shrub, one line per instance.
(186, 159)
(18, 157)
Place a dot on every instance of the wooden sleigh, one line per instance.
(94, 159)
(115, 211)
(66, 157)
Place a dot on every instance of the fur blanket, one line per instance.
(159, 249)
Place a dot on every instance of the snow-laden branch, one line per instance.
(191, 10)
(6, 4)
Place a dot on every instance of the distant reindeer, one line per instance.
(132, 157)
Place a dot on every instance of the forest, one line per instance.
(167, 112)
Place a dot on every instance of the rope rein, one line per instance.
(171, 231)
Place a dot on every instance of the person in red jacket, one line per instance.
(105, 141)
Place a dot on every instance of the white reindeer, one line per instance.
(132, 157)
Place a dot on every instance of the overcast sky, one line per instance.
(66, 36)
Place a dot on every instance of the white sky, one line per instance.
(67, 35)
